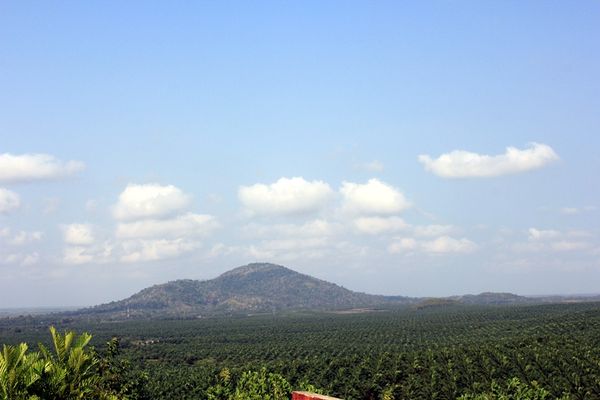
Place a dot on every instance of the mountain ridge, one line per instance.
(252, 288)
(267, 287)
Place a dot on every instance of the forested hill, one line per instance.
(264, 287)
(252, 288)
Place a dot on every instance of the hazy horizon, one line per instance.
(416, 149)
(60, 307)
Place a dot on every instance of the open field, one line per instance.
(434, 353)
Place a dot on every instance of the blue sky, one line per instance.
(146, 142)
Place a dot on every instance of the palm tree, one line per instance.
(69, 372)
(18, 372)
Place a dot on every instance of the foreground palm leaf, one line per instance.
(69, 372)
(18, 371)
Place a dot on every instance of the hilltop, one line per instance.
(264, 287)
(253, 288)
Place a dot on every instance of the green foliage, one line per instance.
(223, 389)
(70, 372)
(118, 377)
(514, 389)
(437, 353)
(252, 385)
(249, 289)
(262, 386)
(19, 371)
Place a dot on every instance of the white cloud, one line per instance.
(285, 197)
(51, 205)
(433, 230)
(30, 259)
(22, 237)
(149, 201)
(373, 197)
(32, 167)
(295, 244)
(19, 259)
(91, 205)
(403, 245)
(568, 245)
(379, 225)
(447, 244)
(128, 251)
(9, 201)
(538, 234)
(77, 255)
(290, 248)
(181, 226)
(317, 227)
(440, 245)
(151, 225)
(570, 210)
(373, 166)
(465, 164)
(78, 234)
(576, 210)
(549, 241)
(153, 250)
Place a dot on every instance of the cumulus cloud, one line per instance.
(287, 196)
(156, 249)
(91, 205)
(433, 230)
(465, 164)
(373, 166)
(77, 255)
(440, 245)
(30, 259)
(569, 210)
(181, 226)
(97, 252)
(403, 245)
(569, 245)
(290, 248)
(9, 201)
(24, 259)
(149, 201)
(152, 224)
(373, 197)
(33, 167)
(379, 225)
(51, 205)
(22, 237)
(78, 234)
(550, 240)
(447, 244)
(314, 228)
(576, 210)
(540, 234)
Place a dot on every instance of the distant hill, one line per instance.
(252, 288)
(263, 287)
(491, 298)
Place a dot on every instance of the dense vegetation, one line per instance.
(439, 352)
(259, 287)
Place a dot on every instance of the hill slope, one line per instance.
(263, 287)
(248, 289)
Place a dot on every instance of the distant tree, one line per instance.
(118, 377)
